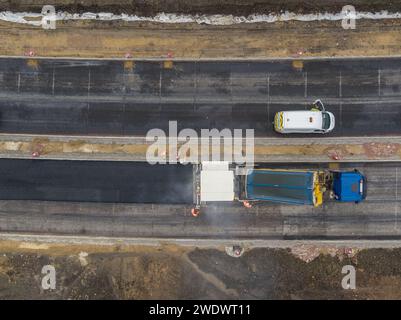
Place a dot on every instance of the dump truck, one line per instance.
(218, 181)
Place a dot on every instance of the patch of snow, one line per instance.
(24, 17)
(82, 258)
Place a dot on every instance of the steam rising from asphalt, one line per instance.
(32, 18)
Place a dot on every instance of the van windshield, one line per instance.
(326, 120)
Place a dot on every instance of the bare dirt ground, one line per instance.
(118, 272)
(234, 7)
(116, 39)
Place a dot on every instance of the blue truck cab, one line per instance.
(349, 186)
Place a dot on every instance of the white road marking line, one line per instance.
(53, 82)
(89, 81)
(19, 82)
(160, 84)
(379, 81)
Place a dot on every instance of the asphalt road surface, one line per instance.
(378, 217)
(95, 181)
(80, 97)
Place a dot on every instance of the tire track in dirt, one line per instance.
(211, 278)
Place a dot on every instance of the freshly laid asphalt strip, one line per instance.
(99, 97)
(91, 181)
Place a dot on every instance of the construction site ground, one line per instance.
(234, 7)
(116, 39)
(170, 272)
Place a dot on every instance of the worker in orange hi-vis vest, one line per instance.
(247, 204)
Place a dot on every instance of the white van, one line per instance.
(316, 120)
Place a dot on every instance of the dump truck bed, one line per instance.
(285, 186)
